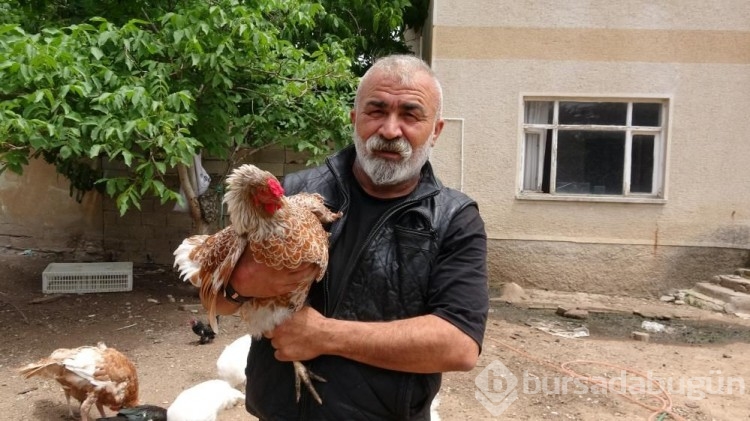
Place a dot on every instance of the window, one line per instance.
(594, 148)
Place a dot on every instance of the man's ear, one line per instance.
(438, 129)
(353, 115)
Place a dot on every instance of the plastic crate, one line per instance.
(87, 277)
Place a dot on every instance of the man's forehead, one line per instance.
(388, 91)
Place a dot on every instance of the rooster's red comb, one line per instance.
(275, 187)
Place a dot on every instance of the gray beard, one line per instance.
(385, 172)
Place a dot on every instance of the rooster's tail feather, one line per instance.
(188, 268)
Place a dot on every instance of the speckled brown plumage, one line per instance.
(282, 232)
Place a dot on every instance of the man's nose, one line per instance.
(391, 128)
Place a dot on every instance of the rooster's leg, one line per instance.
(100, 407)
(67, 399)
(302, 374)
(86, 406)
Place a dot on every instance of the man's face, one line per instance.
(395, 127)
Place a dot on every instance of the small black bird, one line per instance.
(139, 413)
(203, 330)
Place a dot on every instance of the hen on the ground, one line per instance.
(94, 375)
(281, 232)
(205, 333)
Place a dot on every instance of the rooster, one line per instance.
(282, 232)
(94, 375)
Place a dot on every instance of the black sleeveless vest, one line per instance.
(388, 282)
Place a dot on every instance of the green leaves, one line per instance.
(97, 53)
(197, 76)
(73, 96)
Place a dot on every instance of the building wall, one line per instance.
(490, 53)
(38, 215)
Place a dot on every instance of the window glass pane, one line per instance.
(642, 164)
(646, 114)
(590, 162)
(601, 113)
(531, 161)
(537, 161)
(538, 112)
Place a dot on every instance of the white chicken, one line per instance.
(204, 401)
(232, 362)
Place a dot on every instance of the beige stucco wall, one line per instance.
(490, 53)
(38, 215)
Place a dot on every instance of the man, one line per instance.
(405, 297)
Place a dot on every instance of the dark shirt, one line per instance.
(364, 212)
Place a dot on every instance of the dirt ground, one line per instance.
(529, 368)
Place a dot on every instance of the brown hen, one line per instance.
(94, 375)
(282, 232)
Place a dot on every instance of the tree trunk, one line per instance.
(192, 199)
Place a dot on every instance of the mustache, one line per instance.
(400, 146)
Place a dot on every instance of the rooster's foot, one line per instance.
(303, 375)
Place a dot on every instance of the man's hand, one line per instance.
(253, 279)
(296, 339)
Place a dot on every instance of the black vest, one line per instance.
(389, 282)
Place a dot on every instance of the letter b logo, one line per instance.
(496, 388)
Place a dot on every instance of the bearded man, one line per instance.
(405, 295)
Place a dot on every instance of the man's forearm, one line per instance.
(425, 344)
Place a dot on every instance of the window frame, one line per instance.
(661, 142)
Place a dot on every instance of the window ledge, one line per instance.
(589, 198)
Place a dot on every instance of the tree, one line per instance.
(151, 84)
(367, 28)
(371, 28)
(153, 94)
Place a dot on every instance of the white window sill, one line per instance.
(589, 198)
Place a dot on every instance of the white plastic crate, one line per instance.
(87, 277)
